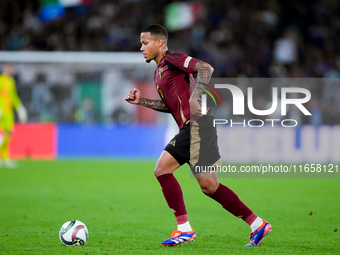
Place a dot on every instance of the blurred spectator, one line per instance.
(86, 114)
(43, 106)
(121, 116)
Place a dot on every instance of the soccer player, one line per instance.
(174, 82)
(9, 100)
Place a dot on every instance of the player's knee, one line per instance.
(209, 188)
(166, 164)
(208, 191)
(159, 170)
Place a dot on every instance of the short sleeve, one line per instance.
(181, 60)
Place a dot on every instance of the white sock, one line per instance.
(185, 227)
(257, 222)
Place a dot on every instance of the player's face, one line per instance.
(150, 46)
(9, 70)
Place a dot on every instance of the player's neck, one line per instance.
(161, 55)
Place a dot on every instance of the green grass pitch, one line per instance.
(123, 207)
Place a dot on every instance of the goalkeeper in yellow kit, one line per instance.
(9, 101)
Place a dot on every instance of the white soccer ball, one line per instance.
(73, 233)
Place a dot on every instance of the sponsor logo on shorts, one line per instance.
(173, 143)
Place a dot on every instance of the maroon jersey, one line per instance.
(174, 80)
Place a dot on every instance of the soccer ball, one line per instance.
(73, 233)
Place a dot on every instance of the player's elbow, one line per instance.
(209, 68)
(203, 67)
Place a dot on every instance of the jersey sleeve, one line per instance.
(182, 61)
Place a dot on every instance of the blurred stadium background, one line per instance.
(76, 60)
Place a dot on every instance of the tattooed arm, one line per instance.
(134, 97)
(157, 105)
(204, 72)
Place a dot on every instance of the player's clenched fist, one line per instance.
(133, 96)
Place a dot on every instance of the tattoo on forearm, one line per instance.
(204, 72)
(157, 105)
